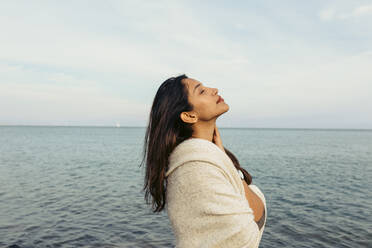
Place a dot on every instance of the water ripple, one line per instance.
(72, 187)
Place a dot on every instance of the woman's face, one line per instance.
(207, 103)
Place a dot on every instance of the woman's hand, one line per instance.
(217, 138)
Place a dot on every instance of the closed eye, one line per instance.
(201, 92)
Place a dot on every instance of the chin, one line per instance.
(225, 109)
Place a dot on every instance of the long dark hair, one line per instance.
(164, 132)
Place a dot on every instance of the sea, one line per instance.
(82, 186)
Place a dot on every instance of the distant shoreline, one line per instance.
(256, 128)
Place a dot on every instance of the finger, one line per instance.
(217, 132)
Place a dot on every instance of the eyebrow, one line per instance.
(196, 87)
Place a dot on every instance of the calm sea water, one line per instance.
(81, 187)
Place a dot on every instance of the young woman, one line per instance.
(209, 198)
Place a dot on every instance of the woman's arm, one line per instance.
(254, 202)
(204, 208)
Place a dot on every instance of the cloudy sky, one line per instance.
(285, 64)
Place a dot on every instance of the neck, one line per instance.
(204, 130)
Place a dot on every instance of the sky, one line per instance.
(277, 64)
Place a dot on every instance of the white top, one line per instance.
(206, 201)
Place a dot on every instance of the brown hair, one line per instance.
(164, 132)
(247, 176)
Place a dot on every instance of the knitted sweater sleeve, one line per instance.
(205, 209)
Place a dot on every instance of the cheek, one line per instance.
(206, 109)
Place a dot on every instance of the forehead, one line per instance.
(191, 83)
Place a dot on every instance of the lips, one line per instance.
(220, 99)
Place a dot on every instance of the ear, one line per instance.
(189, 117)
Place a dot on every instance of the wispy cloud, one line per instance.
(57, 98)
(102, 63)
(362, 10)
(333, 13)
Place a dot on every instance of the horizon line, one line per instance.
(113, 126)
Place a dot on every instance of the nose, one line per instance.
(214, 91)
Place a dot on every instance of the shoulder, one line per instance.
(195, 150)
(199, 173)
(193, 146)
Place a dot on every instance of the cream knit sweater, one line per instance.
(206, 201)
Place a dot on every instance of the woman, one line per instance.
(209, 198)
